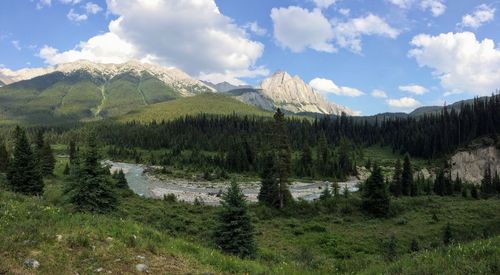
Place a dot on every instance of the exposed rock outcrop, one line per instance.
(470, 165)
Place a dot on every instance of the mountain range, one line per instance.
(86, 91)
(83, 91)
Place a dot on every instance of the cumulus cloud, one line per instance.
(76, 17)
(379, 93)
(403, 103)
(316, 32)
(414, 89)
(313, 30)
(47, 3)
(327, 86)
(482, 14)
(92, 8)
(324, 4)
(460, 61)
(436, 7)
(348, 34)
(254, 28)
(192, 35)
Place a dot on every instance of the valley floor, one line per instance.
(309, 238)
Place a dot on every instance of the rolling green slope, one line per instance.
(79, 96)
(208, 103)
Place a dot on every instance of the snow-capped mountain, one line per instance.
(291, 94)
(170, 76)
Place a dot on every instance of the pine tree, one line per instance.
(282, 158)
(407, 177)
(23, 174)
(326, 194)
(376, 200)
(457, 185)
(439, 183)
(487, 186)
(305, 163)
(269, 189)
(323, 161)
(121, 181)
(4, 157)
(89, 187)
(474, 192)
(45, 157)
(72, 151)
(66, 169)
(396, 184)
(448, 186)
(234, 232)
(496, 182)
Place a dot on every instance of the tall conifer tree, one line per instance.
(23, 174)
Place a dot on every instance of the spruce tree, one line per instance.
(90, 188)
(121, 181)
(407, 177)
(66, 169)
(376, 200)
(45, 156)
(487, 186)
(448, 186)
(396, 184)
(305, 162)
(496, 182)
(234, 232)
(72, 151)
(23, 174)
(269, 189)
(326, 194)
(457, 185)
(282, 158)
(439, 183)
(4, 157)
(474, 192)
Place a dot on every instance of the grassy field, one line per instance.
(174, 238)
(208, 103)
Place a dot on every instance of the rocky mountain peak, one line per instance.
(294, 95)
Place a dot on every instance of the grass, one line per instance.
(207, 103)
(384, 156)
(308, 238)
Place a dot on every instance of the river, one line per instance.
(149, 186)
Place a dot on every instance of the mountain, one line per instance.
(289, 93)
(207, 103)
(87, 91)
(225, 86)
(2, 83)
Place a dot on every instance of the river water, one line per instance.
(149, 186)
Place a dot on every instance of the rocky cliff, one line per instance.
(470, 164)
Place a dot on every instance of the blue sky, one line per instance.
(369, 55)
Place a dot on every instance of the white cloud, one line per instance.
(47, 3)
(15, 44)
(297, 29)
(324, 4)
(76, 17)
(379, 93)
(327, 86)
(460, 61)
(348, 34)
(92, 8)
(345, 12)
(191, 34)
(436, 7)
(254, 28)
(403, 103)
(414, 89)
(482, 14)
(314, 30)
(404, 4)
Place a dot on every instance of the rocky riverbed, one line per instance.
(147, 185)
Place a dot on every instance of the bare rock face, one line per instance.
(470, 165)
(294, 95)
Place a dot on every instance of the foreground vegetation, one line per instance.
(304, 238)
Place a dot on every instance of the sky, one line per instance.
(372, 56)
